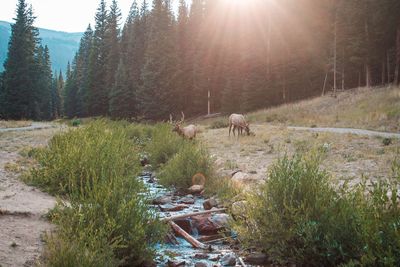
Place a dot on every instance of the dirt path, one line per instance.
(349, 153)
(32, 127)
(347, 131)
(22, 207)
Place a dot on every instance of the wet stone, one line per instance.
(256, 259)
(228, 260)
(201, 264)
(172, 207)
(175, 263)
(200, 256)
(162, 200)
(210, 203)
(189, 199)
(215, 257)
(196, 189)
(185, 224)
(210, 225)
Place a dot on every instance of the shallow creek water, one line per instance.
(182, 253)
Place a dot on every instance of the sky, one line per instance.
(63, 15)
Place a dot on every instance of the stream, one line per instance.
(176, 251)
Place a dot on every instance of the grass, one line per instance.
(191, 159)
(105, 220)
(375, 109)
(298, 217)
(14, 124)
(164, 145)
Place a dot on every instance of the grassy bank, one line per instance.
(104, 220)
(365, 108)
(298, 217)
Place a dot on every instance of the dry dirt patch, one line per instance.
(22, 207)
(347, 156)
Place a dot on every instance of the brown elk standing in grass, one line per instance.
(188, 132)
(238, 122)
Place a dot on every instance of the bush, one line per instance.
(189, 160)
(298, 217)
(221, 123)
(75, 160)
(164, 144)
(107, 221)
(76, 122)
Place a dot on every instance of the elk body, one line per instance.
(238, 122)
(188, 132)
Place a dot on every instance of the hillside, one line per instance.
(372, 109)
(347, 156)
(62, 45)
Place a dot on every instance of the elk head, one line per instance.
(178, 124)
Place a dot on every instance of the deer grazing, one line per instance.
(238, 122)
(188, 132)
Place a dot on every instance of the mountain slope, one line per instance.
(62, 45)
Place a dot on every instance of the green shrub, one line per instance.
(298, 217)
(77, 159)
(221, 123)
(106, 221)
(76, 122)
(386, 141)
(223, 188)
(192, 158)
(164, 144)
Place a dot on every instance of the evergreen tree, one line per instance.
(82, 72)
(71, 91)
(157, 93)
(112, 43)
(19, 99)
(43, 77)
(121, 95)
(56, 95)
(98, 91)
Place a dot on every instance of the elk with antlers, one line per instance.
(238, 122)
(189, 131)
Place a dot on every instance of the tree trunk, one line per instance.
(323, 88)
(334, 54)
(388, 66)
(383, 72)
(397, 78)
(367, 41)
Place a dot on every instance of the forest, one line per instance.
(246, 56)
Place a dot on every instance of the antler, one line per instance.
(183, 117)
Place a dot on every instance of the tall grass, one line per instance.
(164, 144)
(191, 158)
(105, 221)
(298, 217)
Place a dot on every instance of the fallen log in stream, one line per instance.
(179, 231)
(183, 216)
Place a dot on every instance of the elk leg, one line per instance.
(234, 129)
(230, 127)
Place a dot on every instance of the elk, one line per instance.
(188, 132)
(238, 122)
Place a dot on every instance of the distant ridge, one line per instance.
(62, 45)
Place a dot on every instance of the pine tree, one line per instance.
(42, 87)
(56, 95)
(157, 93)
(98, 91)
(121, 95)
(18, 97)
(71, 91)
(82, 72)
(112, 43)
